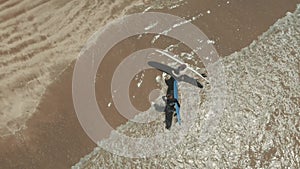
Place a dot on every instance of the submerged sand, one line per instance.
(38, 47)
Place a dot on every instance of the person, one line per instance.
(181, 70)
(170, 109)
(170, 83)
(180, 74)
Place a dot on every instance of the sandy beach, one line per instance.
(40, 42)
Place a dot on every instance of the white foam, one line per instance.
(151, 26)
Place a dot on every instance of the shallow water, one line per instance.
(39, 41)
(250, 133)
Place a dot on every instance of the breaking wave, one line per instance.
(259, 126)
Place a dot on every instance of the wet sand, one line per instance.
(54, 137)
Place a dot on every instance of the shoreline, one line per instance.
(55, 122)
